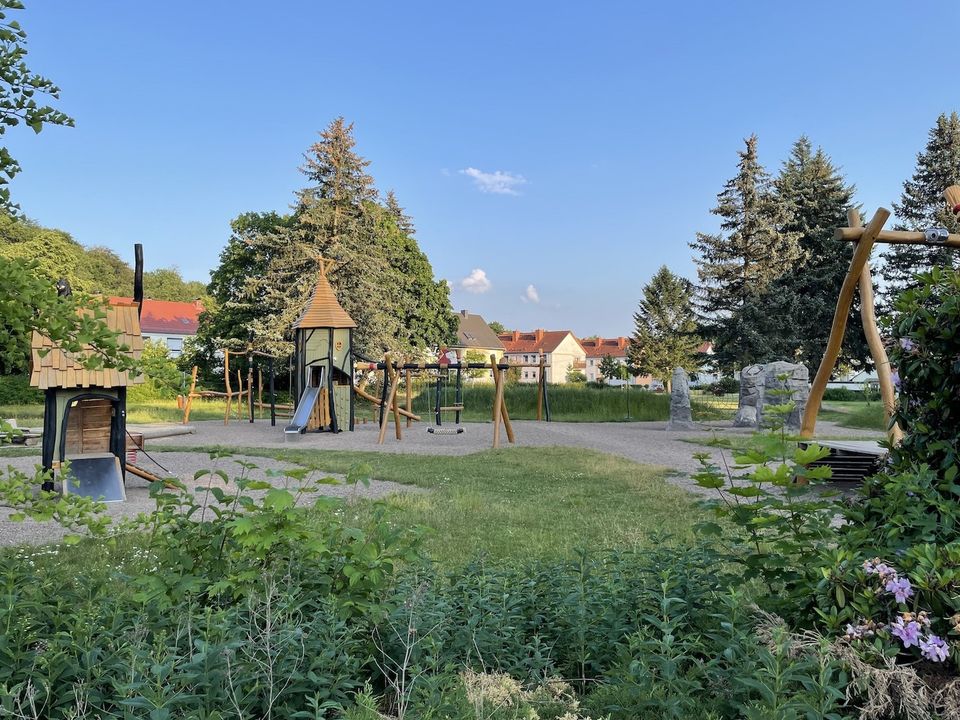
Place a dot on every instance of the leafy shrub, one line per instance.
(844, 394)
(162, 378)
(724, 386)
(927, 356)
(16, 390)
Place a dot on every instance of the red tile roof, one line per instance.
(545, 340)
(166, 316)
(598, 347)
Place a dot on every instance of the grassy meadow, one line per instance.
(519, 503)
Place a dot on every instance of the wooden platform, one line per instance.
(851, 460)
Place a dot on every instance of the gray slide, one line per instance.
(96, 476)
(307, 400)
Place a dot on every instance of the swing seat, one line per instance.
(445, 430)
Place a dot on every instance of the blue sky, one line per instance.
(612, 125)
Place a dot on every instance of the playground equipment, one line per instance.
(85, 411)
(858, 274)
(389, 404)
(237, 395)
(323, 361)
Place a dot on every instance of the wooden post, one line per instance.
(226, 380)
(861, 254)
(250, 379)
(273, 396)
(498, 380)
(260, 391)
(239, 395)
(868, 316)
(193, 387)
(408, 379)
(507, 425)
(540, 382)
(388, 374)
(395, 404)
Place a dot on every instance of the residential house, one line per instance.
(474, 337)
(561, 349)
(597, 348)
(167, 322)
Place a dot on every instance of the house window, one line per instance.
(175, 346)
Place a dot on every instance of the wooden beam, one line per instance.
(395, 405)
(895, 237)
(376, 401)
(497, 401)
(408, 391)
(391, 397)
(190, 395)
(861, 255)
(868, 315)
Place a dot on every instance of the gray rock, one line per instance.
(785, 382)
(680, 415)
(751, 392)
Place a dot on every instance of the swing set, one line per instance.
(858, 274)
(389, 403)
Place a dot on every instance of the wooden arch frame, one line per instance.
(858, 275)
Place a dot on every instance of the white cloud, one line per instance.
(476, 282)
(498, 182)
(531, 295)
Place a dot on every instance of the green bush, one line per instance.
(16, 390)
(844, 394)
(927, 357)
(161, 377)
(724, 386)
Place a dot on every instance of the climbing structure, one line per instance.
(323, 361)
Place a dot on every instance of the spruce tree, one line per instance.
(737, 265)
(665, 328)
(797, 310)
(921, 207)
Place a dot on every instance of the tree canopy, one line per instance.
(381, 277)
(665, 328)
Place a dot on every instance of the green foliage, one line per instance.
(665, 328)
(921, 206)
(790, 318)
(725, 386)
(844, 394)
(168, 284)
(163, 378)
(737, 265)
(19, 89)
(381, 277)
(29, 302)
(497, 327)
(613, 369)
(575, 376)
(927, 357)
(16, 390)
(772, 508)
(246, 600)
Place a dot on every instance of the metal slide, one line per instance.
(96, 476)
(302, 415)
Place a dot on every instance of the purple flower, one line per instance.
(895, 376)
(909, 633)
(933, 648)
(907, 344)
(900, 587)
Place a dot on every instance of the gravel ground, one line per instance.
(644, 442)
(182, 465)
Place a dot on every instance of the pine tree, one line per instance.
(738, 265)
(921, 207)
(380, 276)
(665, 328)
(797, 310)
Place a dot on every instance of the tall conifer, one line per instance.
(738, 264)
(921, 206)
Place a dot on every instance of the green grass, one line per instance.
(143, 412)
(520, 503)
(868, 416)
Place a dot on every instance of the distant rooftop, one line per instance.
(473, 332)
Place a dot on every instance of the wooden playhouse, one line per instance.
(323, 362)
(84, 416)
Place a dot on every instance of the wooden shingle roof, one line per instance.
(322, 309)
(57, 369)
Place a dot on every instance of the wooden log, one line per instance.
(376, 401)
(507, 425)
(868, 315)
(395, 379)
(390, 399)
(260, 391)
(895, 237)
(408, 379)
(861, 255)
(226, 378)
(190, 395)
(497, 402)
(239, 396)
(540, 382)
